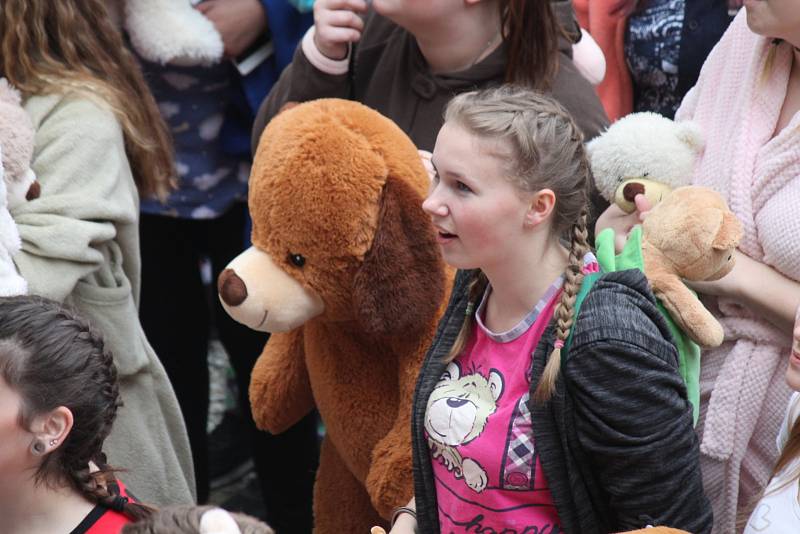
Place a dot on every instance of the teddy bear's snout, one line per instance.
(232, 289)
(33, 191)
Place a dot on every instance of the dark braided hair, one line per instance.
(52, 358)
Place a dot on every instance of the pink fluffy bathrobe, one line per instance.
(743, 392)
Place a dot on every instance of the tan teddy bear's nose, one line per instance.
(231, 288)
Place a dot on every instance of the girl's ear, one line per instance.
(541, 205)
(53, 427)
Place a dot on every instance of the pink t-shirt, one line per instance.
(487, 469)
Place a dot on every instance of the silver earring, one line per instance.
(38, 448)
(53, 442)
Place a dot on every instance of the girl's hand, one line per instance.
(337, 24)
(239, 22)
(622, 223)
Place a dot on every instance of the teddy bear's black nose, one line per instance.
(231, 288)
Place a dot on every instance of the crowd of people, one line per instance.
(143, 168)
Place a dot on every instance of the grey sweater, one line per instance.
(616, 441)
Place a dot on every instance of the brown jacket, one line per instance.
(389, 74)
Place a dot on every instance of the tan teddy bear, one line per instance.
(346, 273)
(691, 235)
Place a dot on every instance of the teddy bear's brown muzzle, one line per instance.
(232, 289)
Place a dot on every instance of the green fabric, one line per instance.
(631, 258)
(586, 286)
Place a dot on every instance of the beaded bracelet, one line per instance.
(403, 510)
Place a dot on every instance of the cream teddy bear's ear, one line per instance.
(172, 31)
(690, 134)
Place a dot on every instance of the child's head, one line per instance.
(511, 171)
(197, 520)
(59, 384)
(793, 370)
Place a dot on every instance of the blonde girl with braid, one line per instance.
(526, 417)
(59, 396)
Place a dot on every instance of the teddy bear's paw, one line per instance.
(474, 475)
(709, 335)
(172, 31)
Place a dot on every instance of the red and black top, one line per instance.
(104, 520)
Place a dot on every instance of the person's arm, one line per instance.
(320, 64)
(751, 283)
(760, 288)
(632, 418)
(69, 232)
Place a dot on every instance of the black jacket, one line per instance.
(616, 441)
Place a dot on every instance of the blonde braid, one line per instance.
(573, 278)
(477, 287)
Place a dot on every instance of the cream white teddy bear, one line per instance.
(17, 182)
(11, 283)
(169, 31)
(644, 153)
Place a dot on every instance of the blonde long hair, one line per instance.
(58, 46)
(548, 152)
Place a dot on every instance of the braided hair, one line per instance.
(52, 358)
(548, 153)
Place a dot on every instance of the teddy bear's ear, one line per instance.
(690, 134)
(399, 286)
(729, 234)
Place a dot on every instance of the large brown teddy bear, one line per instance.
(346, 273)
(691, 235)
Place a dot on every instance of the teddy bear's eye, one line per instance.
(297, 259)
(645, 174)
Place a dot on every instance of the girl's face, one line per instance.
(793, 371)
(478, 213)
(15, 441)
(775, 18)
